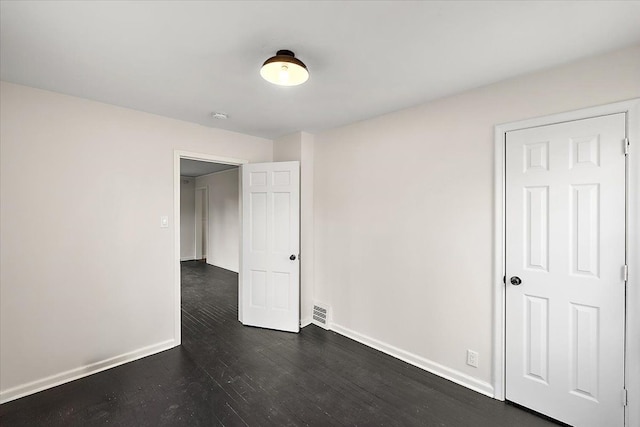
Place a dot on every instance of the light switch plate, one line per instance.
(164, 221)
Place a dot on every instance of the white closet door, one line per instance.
(565, 212)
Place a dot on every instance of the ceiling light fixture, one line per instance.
(284, 69)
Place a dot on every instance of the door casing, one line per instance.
(632, 355)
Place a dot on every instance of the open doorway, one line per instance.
(207, 215)
(197, 227)
(268, 266)
(210, 213)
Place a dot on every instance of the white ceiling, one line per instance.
(193, 168)
(187, 59)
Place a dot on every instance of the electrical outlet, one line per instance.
(472, 358)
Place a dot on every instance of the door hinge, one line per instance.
(626, 146)
(504, 280)
(625, 400)
(625, 272)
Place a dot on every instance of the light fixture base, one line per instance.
(285, 52)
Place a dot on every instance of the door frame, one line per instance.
(177, 155)
(632, 344)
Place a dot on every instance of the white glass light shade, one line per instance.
(284, 69)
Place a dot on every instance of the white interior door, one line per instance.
(202, 222)
(565, 243)
(204, 229)
(270, 268)
(198, 223)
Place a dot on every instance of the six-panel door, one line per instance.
(269, 274)
(565, 241)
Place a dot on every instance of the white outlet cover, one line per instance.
(164, 221)
(472, 358)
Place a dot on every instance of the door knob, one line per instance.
(292, 257)
(515, 281)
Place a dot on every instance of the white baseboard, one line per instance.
(305, 322)
(83, 371)
(418, 361)
(320, 325)
(187, 258)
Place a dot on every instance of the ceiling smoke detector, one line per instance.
(220, 116)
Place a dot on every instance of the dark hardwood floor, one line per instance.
(226, 374)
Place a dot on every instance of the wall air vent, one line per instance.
(321, 315)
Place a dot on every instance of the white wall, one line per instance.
(403, 213)
(187, 218)
(288, 148)
(86, 272)
(299, 146)
(223, 248)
